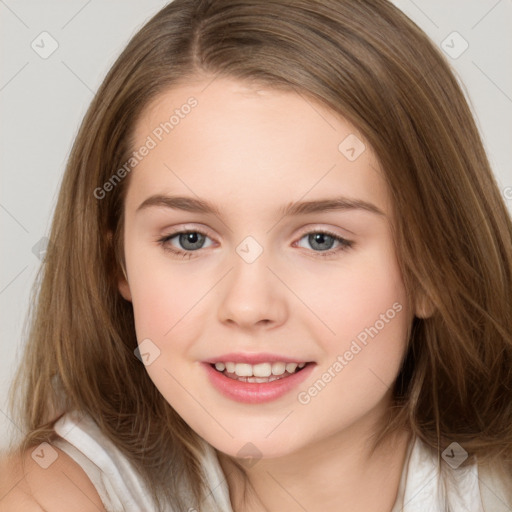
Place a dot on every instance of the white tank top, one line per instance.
(422, 485)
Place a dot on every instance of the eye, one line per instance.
(192, 241)
(324, 240)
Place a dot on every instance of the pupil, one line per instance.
(321, 240)
(188, 240)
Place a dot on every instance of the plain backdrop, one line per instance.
(44, 97)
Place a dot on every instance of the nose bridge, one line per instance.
(252, 293)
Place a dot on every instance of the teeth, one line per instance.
(243, 369)
(234, 376)
(291, 367)
(261, 370)
(278, 368)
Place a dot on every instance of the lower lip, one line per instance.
(256, 392)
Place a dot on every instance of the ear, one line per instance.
(124, 287)
(423, 306)
(122, 280)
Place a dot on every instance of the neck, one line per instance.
(339, 473)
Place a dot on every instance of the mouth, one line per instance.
(258, 373)
(257, 383)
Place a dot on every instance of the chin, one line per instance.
(249, 448)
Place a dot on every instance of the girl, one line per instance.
(196, 347)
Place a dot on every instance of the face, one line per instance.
(254, 287)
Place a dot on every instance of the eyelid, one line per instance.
(304, 231)
(321, 227)
(344, 243)
(187, 228)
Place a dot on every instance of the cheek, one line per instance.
(362, 360)
(158, 307)
(369, 293)
(370, 319)
(162, 294)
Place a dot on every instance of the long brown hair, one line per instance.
(368, 62)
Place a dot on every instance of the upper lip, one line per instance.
(253, 358)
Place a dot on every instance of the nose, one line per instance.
(252, 295)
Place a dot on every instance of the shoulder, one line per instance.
(26, 486)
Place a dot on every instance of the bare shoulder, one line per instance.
(27, 486)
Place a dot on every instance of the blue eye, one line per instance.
(189, 240)
(192, 241)
(322, 238)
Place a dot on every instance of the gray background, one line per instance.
(42, 101)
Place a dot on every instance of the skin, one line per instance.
(252, 150)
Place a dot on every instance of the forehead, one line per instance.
(226, 137)
(224, 98)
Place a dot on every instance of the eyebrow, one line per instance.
(191, 204)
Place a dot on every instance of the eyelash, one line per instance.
(163, 242)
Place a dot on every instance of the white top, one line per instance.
(423, 487)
